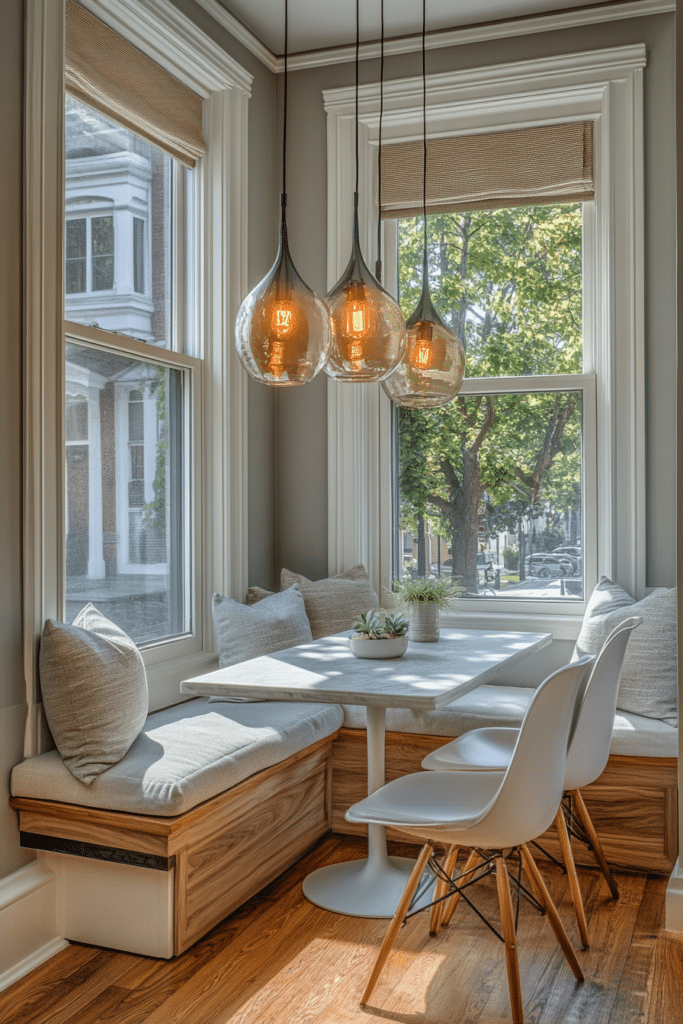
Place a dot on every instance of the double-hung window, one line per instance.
(490, 488)
(135, 267)
(531, 483)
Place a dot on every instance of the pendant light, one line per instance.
(369, 329)
(283, 329)
(432, 369)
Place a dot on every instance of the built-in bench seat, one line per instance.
(632, 735)
(211, 802)
(214, 800)
(633, 804)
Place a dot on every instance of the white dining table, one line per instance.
(428, 676)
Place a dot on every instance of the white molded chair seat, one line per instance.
(499, 812)
(490, 750)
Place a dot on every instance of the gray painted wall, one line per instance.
(302, 459)
(263, 216)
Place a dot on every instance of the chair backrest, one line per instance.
(531, 790)
(590, 742)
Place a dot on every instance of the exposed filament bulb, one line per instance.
(422, 352)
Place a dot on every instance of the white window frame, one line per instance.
(220, 495)
(605, 86)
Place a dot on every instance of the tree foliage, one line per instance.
(508, 282)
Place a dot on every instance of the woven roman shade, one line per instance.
(524, 167)
(107, 72)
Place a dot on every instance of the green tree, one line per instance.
(509, 283)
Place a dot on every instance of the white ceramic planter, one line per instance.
(423, 622)
(390, 647)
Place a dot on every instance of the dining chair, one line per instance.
(495, 814)
(490, 749)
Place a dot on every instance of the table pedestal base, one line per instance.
(363, 888)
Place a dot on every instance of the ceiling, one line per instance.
(321, 24)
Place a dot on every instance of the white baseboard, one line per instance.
(28, 921)
(673, 917)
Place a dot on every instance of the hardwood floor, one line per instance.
(280, 960)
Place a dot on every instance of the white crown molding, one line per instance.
(241, 33)
(437, 40)
(481, 33)
(157, 28)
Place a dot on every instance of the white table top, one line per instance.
(428, 676)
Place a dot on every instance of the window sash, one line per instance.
(474, 610)
(188, 455)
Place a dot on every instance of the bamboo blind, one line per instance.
(524, 167)
(107, 72)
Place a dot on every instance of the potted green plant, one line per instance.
(379, 634)
(423, 600)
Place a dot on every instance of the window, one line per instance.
(130, 534)
(608, 388)
(495, 477)
(132, 504)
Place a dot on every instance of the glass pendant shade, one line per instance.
(369, 330)
(433, 366)
(283, 329)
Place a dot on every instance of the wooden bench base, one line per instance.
(155, 885)
(633, 804)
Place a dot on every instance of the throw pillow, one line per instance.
(248, 631)
(94, 690)
(332, 604)
(648, 684)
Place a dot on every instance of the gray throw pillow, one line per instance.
(246, 631)
(648, 684)
(94, 689)
(334, 603)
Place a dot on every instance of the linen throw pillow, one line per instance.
(648, 684)
(332, 604)
(94, 690)
(248, 631)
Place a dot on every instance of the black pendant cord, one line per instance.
(424, 143)
(378, 265)
(357, 60)
(284, 115)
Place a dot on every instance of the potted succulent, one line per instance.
(423, 600)
(379, 634)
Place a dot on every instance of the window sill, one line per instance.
(563, 624)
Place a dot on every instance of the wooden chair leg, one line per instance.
(568, 857)
(471, 863)
(588, 827)
(508, 920)
(397, 921)
(441, 888)
(546, 902)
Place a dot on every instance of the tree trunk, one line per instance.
(421, 559)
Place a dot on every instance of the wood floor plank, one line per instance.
(37, 986)
(280, 960)
(633, 995)
(666, 1002)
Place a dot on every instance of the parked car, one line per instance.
(573, 554)
(545, 566)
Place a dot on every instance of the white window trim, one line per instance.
(171, 39)
(607, 87)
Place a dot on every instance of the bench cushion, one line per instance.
(633, 735)
(185, 755)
